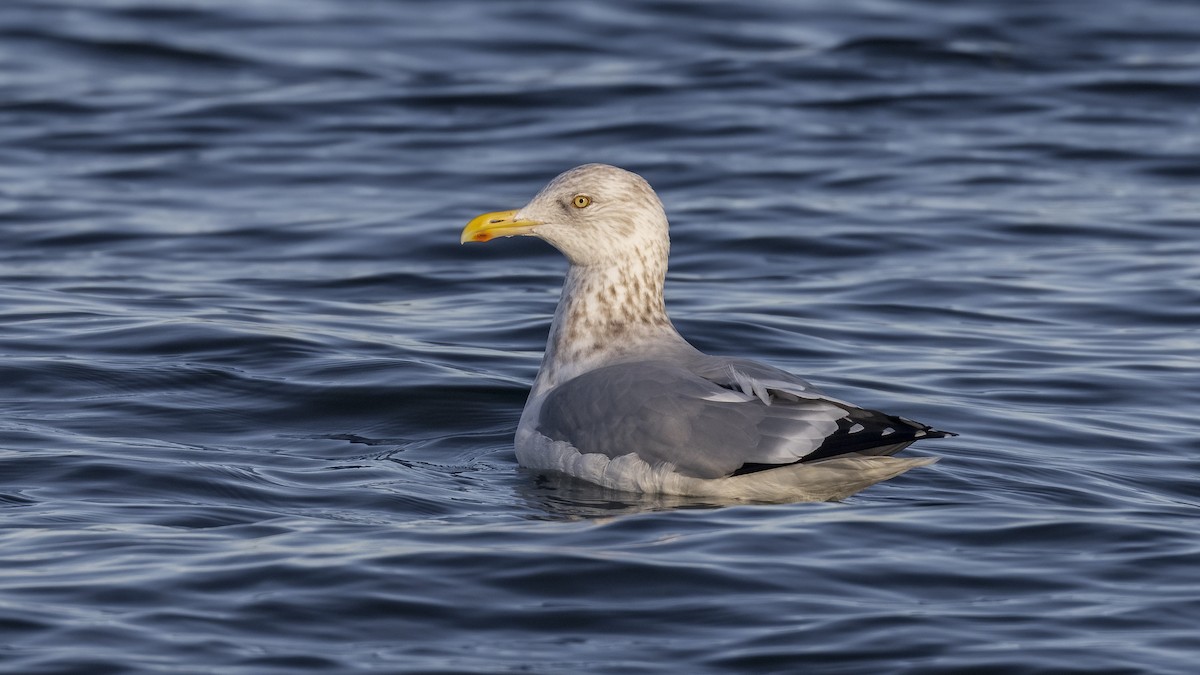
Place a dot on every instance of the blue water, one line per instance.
(257, 404)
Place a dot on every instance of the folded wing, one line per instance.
(714, 417)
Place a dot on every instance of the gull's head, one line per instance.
(593, 213)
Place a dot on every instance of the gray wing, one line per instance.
(713, 417)
(861, 431)
(666, 413)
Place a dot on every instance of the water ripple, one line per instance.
(256, 404)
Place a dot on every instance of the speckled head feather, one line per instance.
(598, 214)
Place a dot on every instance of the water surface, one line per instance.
(257, 404)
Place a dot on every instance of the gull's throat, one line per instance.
(605, 314)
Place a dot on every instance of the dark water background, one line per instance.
(256, 402)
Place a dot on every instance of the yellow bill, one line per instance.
(496, 224)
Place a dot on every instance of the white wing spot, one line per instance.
(888, 431)
(751, 386)
(728, 397)
(856, 428)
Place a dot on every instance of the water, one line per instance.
(256, 403)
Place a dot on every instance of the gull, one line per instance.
(622, 400)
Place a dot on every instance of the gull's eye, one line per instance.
(581, 201)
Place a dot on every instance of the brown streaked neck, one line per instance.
(605, 313)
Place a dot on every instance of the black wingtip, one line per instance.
(845, 441)
(937, 433)
(930, 432)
